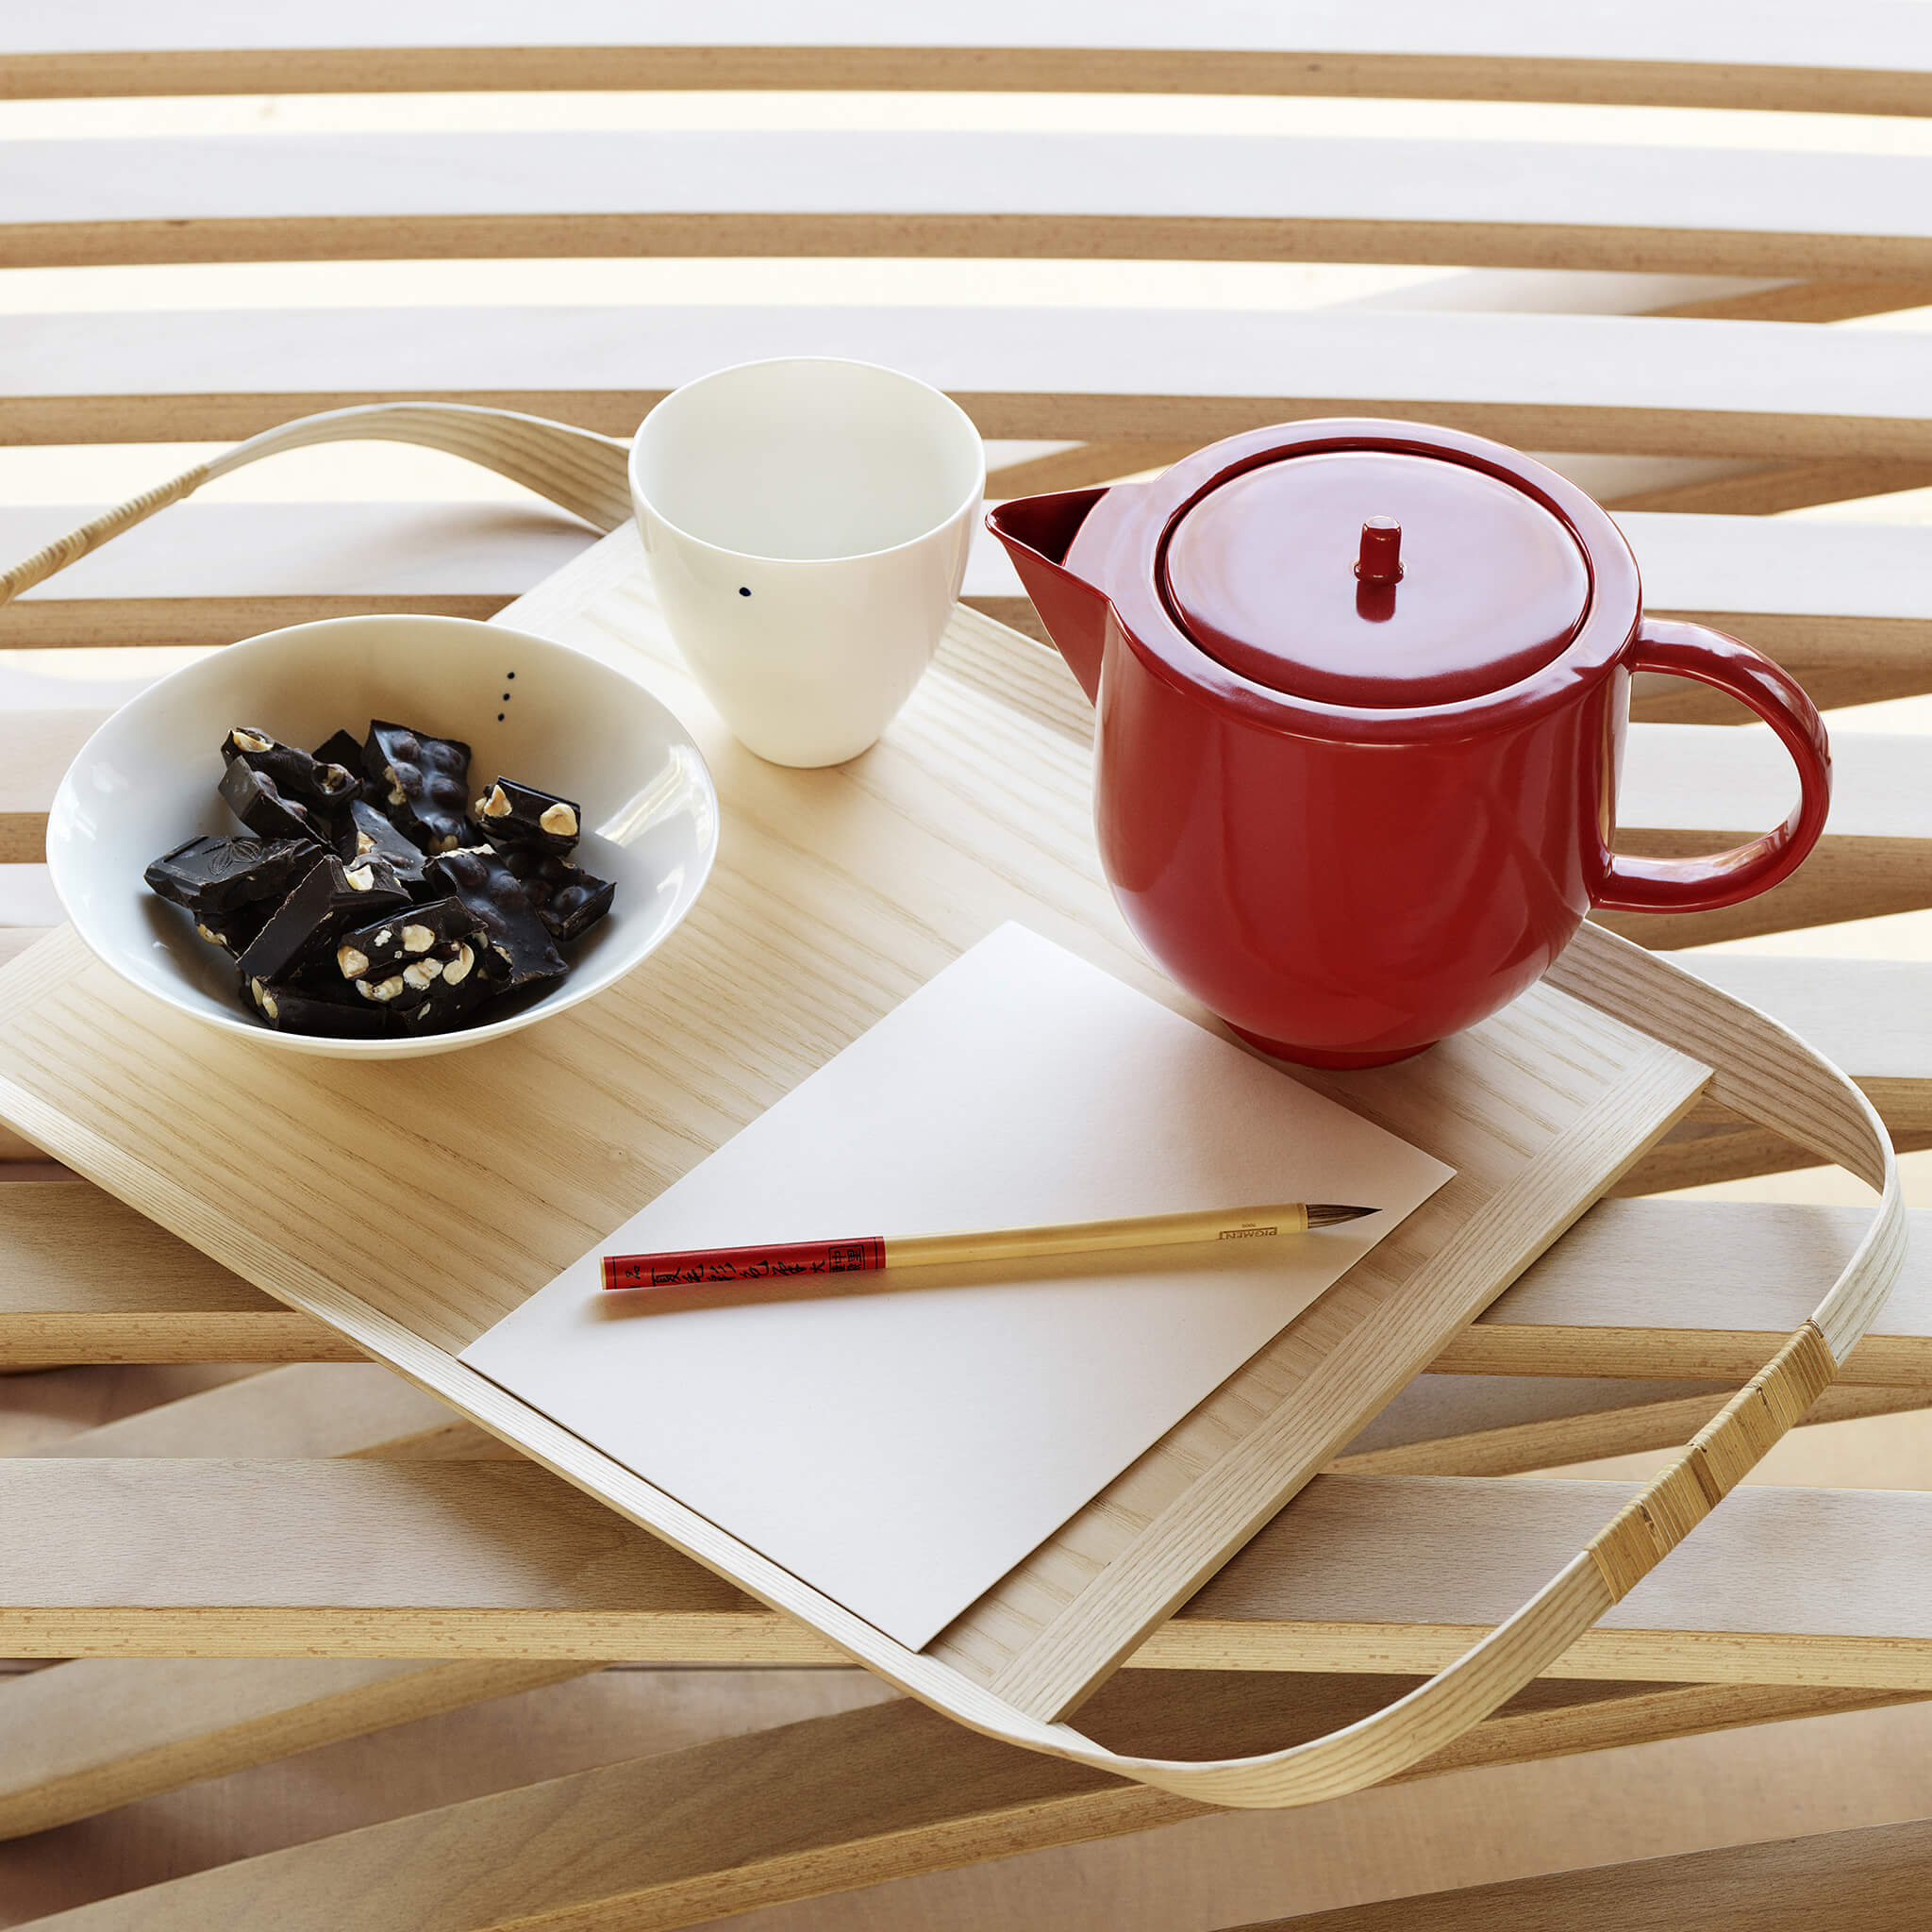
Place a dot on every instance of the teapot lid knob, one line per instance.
(1380, 562)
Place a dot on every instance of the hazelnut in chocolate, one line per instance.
(513, 815)
(295, 774)
(329, 896)
(259, 802)
(569, 900)
(513, 932)
(425, 781)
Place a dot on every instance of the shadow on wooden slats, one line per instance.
(867, 1795)
(1874, 1879)
(363, 1558)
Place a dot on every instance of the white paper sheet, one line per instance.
(902, 1449)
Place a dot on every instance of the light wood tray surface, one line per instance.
(411, 1205)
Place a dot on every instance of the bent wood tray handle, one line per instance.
(576, 469)
(1760, 1069)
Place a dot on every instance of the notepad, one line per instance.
(901, 1448)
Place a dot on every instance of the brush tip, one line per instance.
(1329, 1214)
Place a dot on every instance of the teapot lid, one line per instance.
(1374, 577)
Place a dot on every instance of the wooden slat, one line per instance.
(210, 573)
(839, 1802)
(86, 1735)
(1692, 788)
(1624, 208)
(1861, 57)
(1447, 1425)
(83, 1278)
(102, 1732)
(1618, 384)
(1847, 608)
(1687, 789)
(307, 1408)
(1874, 1878)
(1633, 1282)
(476, 1559)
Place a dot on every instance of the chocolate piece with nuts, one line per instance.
(425, 783)
(289, 1010)
(569, 900)
(235, 930)
(389, 944)
(296, 775)
(355, 907)
(260, 803)
(329, 896)
(513, 815)
(515, 935)
(373, 836)
(216, 875)
(409, 984)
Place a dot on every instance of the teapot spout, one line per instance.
(1038, 532)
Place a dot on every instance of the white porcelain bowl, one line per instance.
(529, 709)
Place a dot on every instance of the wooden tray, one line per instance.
(410, 1206)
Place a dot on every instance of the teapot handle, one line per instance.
(1723, 878)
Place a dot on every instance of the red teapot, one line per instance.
(1363, 690)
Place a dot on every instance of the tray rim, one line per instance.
(1761, 1069)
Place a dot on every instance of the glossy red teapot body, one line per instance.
(1362, 691)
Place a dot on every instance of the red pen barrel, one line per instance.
(776, 1261)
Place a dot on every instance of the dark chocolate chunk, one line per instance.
(426, 783)
(569, 900)
(479, 877)
(372, 835)
(327, 898)
(339, 748)
(257, 801)
(513, 815)
(296, 775)
(214, 875)
(452, 1000)
(236, 929)
(390, 943)
(400, 987)
(289, 1010)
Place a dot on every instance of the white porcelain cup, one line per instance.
(807, 522)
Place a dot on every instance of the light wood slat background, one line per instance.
(1644, 386)
(495, 1559)
(1847, 608)
(1659, 1404)
(872, 1794)
(88, 1736)
(81, 1737)
(1874, 1878)
(88, 1279)
(1860, 57)
(358, 1559)
(1060, 195)
(210, 573)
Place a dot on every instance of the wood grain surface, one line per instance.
(1063, 197)
(1874, 1878)
(1864, 58)
(1661, 1086)
(460, 1560)
(1634, 385)
(834, 1803)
